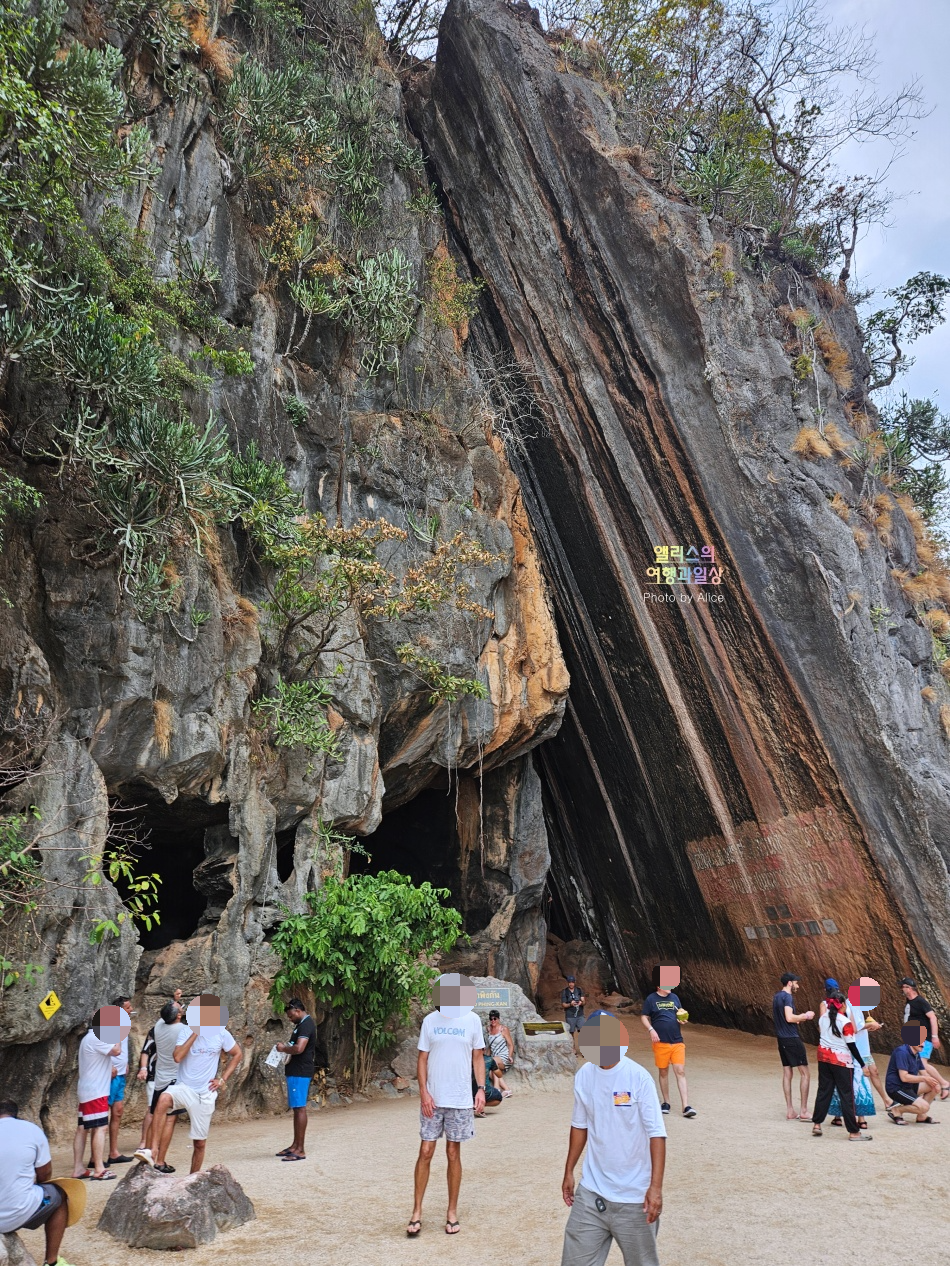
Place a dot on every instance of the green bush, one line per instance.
(16, 497)
(20, 871)
(59, 112)
(296, 714)
(444, 687)
(296, 409)
(381, 307)
(154, 479)
(363, 949)
(238, 362)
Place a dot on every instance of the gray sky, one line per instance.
(913, 39)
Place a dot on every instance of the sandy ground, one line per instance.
(743, 1186)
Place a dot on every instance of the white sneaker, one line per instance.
(144, 1154)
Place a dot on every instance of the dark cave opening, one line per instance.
(284, 853)
(558, 923)
(169, 841)
(419, 839)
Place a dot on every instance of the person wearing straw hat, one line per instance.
(29, 1197)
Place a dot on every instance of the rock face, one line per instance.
(541, 1060)
(583, 961)
(13, 1252)
(120, 721)
(743, 762)
(150, 1210)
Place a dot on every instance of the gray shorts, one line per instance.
(573, 1022)
(589, 1233)
(455, 1124)
(52, 1199)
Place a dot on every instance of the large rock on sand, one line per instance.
(13, 1251)
(541, 1061)
(150, 1210)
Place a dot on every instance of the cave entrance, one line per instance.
(169, 840)
(419, 839)
(559, 924)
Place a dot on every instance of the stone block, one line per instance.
(13, 1251)
(152, 1210)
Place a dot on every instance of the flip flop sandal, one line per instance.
(293, 1157)
(862, 1125)
(164, 1169)
(86, 1173)
(119, 1160)
(455, 1232)
(285, 1152)
(896, 1120)
(945, 1093)
(859, 1138)
(928, 1121)
(816, 1132)
(838, 1121)
(106, 1177)
(413, 1233)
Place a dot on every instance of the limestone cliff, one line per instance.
(747, 761)
(114, 718)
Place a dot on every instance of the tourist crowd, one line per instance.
(617, 1121)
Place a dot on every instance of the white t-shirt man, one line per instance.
(620, 1110)
(95, 1068)
(200, 1066)
(197, 1070)
(23, 1149)
(450, 1042)
(167, 1037)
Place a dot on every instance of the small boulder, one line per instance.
(151, 1210)
(406, 1058)
(13, 1251)
(617, 1002)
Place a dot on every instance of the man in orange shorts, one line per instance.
(660, 1019)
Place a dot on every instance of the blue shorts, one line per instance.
(297, 1090)
(117, 1089)
(927, 1050)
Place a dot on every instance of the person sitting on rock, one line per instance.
(502, 1047)
(200, 1045)
(28, 1200)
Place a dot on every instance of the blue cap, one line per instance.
(831, 983)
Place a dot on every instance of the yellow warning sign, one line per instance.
(50, 1005)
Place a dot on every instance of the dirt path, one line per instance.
(729, 1174)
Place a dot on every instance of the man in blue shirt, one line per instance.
(662, 1013)
(911, 1086)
